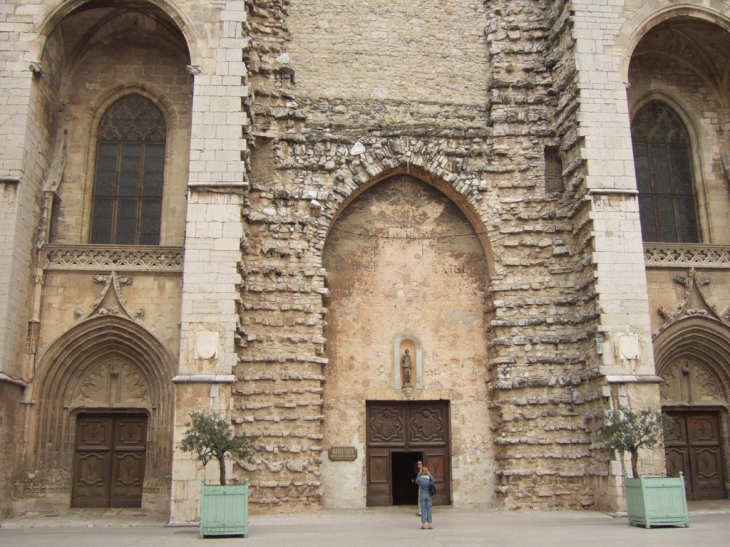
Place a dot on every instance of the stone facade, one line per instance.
(342, 182)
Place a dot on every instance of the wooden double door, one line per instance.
(398, 434)
(109, 460)
(696, 451)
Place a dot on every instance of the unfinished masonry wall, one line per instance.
(323, 131)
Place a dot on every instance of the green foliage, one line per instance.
(627, 431)
(211, 437)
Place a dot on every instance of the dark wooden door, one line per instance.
(407, 427)
(109, 460)
(696, 451)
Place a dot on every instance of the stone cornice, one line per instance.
(683, 255)
(204, 379)
(149, 258)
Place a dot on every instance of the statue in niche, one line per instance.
(405, 363)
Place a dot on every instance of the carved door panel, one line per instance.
(697, 452)
(705, 452)
(386, 431)
(407, 427)
(677, 452)
(379, 490)
(109, 461)
(94, 440)
(429, 432)
(128, 461)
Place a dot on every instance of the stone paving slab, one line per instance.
(390, 527)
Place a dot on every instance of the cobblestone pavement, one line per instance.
(375, 527)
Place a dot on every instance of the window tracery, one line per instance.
(128, 183)
(664, 176)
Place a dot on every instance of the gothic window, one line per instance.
(130, 158)
(667, 201)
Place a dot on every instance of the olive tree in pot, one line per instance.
(649, 500)
(223, 507)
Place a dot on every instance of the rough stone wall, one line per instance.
(323, 133)
(543, 370)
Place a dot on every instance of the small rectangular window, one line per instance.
(553, 170)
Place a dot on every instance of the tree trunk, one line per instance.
(635, 463)
(222, 467)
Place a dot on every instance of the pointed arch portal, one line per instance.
(105, 403)
(692, 358)
(407, 269)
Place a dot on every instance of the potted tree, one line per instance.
(223, 507)
(649, 500)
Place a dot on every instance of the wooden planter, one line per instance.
(224, 510)
(652, 501)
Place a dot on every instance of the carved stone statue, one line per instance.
(405, 363)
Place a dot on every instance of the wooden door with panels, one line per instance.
(696, 451)
(397, 427)
(109, 460)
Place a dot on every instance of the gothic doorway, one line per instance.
(109, 460)
(400, 433)
(696, 451)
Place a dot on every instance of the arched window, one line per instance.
(663, 164)
(130, 159)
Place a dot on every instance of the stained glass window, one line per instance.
(130, 159)
(663, 163)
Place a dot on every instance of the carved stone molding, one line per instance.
(688, 382)
(112, 382)
(95, 257)
(678, 255)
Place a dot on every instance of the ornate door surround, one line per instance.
(407, 426)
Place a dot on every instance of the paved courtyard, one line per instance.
(377, 527)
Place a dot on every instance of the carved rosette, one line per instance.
(386, 426)
(427, 426)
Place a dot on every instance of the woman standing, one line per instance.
(424, 482)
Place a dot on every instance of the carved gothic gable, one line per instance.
(111, 301)
(694, 303)
(689, 382)
(112, 382)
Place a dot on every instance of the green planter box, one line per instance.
(224, 510)
(654, 501)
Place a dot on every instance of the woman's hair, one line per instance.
(424, 471)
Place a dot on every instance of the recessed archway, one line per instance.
(405, 263)
(104, 364)
(692, 358)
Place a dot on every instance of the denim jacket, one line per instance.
(423, 482)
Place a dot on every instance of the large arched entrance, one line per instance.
(406, 272)
(692, 357)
